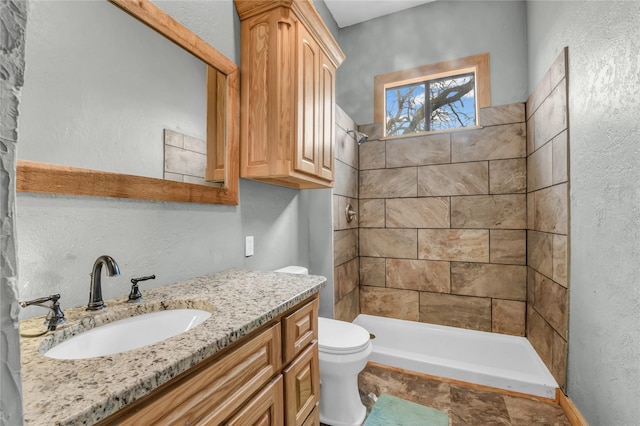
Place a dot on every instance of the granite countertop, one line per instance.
(65, 392)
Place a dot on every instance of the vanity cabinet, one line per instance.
(288, 62)
(264, 379)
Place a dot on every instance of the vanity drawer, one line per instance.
(300, 329)
(211, 394)
(302, 386)
(264, 409)
(314, 417)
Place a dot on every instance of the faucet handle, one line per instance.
(135, 296)
(38, 302)
(55, 316)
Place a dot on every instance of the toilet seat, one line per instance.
(340, 337)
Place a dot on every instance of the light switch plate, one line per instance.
(248, 246)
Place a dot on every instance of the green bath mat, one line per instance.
(389, 410)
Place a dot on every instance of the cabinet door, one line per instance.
(210, 394)
(299, 329)
(314, 417)
(302, 386)
(308, 60)
(326, 118)
(265, 409)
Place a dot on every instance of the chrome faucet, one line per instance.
(55, 315)
(95, 291)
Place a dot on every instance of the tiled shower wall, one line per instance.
(345, 235)
(443, 225)
(548, 220)
(468, 229)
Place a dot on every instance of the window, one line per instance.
(435, 97)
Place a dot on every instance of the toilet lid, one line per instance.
(341, 336)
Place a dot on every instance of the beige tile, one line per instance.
(345, 180)
(489, 280)
(456, 311)
(346, 148)
(508, 317)
(200, 181)
(184, 162)
(348, 308)
(540, 335)
(560, 260)
(345, 246)
(372, 213)
(531, 210)
(389, 183)
(351, 204)
(507, 176)
(508, 246)
(503, 114)
(373, 130)
(346, 278)
(539, 167)
(173, 176)
(559, 361)
(335, 208)
(558, 69)
(538, 95)
(467, 245)
(372, 155)
(343, 121)
(173, 138)
(540, 252)
(551, 116)
(400, 243)
(195, 145)
(414, 387)
(551, 302)
(477, 407)
(489, 143)
(560, 159)
(531, 136)
(372, 271)
(531, 285)
(489, 211)
(339, 212)
(419, 151)
(432, 212)
(528, 411)
(422, 275)
(390, 302)
(551, 209)
(453, 179)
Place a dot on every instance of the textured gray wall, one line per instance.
(77, 87)
(604, 106)
(59, 237)
(430, 33)
(13, 16)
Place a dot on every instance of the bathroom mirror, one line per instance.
(219, 77)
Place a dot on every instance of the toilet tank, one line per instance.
(292, 269)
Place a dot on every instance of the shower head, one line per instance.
(359, 137)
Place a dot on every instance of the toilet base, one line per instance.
(331, 422)
(340, 403)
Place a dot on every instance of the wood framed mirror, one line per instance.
(222, 138)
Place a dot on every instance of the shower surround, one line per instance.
(443, 222)
(466, 229)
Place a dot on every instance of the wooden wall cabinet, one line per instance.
(288, 62)
(265, 379)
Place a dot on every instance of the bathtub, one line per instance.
(490, 359)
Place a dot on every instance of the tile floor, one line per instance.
(465, 405)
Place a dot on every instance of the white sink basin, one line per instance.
(129, 333)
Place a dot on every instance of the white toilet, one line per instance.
(344, 349)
